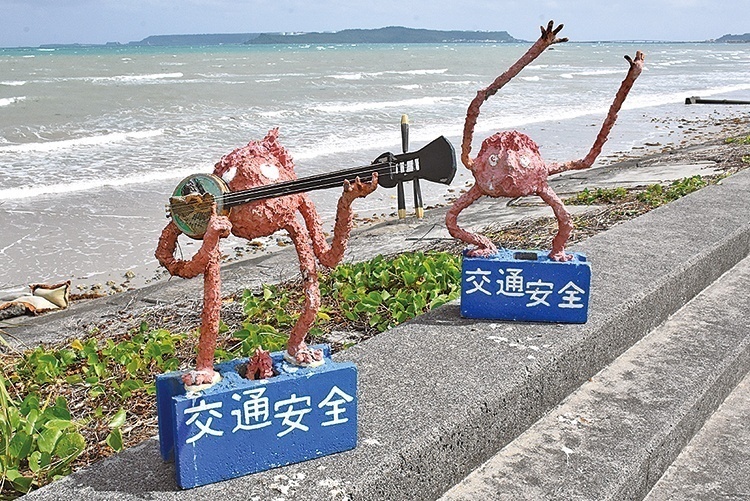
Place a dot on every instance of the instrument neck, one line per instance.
(319, 182)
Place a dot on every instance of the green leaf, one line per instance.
(114, 439)
(20, 445)
(70, 446)
(34, 460)
(19, 482)
(118, 419)
(58, 424)
(48, 439)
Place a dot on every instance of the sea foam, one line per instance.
(7, 101)
(90, 184)
(358, 107)
(114, 137)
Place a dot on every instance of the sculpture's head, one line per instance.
(511, 148)
(257, 164)
(506, 161)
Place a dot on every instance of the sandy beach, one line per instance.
(114, 244)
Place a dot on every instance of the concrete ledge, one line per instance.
(440, 395)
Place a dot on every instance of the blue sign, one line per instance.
(526, 286)
(239, 426)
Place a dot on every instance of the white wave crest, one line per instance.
(89, 184)
(594, 73)
(531, 79)
(115, 137)
(7, 101)
(136, 78)
(347, 76)
(357, 107)
(13, 83)
(422, 72)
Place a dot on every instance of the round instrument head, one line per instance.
(190, 204)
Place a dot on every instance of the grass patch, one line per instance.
(745, 140)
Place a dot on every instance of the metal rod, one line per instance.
(698, 100)
(404, 148)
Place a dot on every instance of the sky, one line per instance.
(29, 23)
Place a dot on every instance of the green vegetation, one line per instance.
(656, 195)
(598, 196)
(738, 140)
(100, 378)
(39, 441)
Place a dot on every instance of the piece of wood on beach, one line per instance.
(698, 100)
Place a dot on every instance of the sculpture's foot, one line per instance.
(305, 357)
(482, 251)
(560, 256)
(260, 365)
(200, 380)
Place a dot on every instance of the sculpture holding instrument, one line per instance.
(509, 163)
(254, 192)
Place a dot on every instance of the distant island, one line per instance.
(204, 39)
(391, 34)
(735, 38)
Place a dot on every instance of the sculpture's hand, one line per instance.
(358, 189)
(636, 65)
(218, 227)
(549, 35)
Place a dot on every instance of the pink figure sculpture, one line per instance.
(257, 164)
(509, 163)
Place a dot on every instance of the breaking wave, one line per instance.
(115, 137)
(7, 101)
(90, 184)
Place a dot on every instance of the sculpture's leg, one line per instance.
(549, 37)
(484, 246)
(204, 364)
(297, 351)
(564, 224)
(207, 261)
(331, 255)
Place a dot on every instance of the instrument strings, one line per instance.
(321, 181)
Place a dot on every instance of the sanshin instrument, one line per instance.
(192, 201)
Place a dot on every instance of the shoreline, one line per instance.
(663, 136)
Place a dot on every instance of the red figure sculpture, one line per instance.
(509, 163)
(257, 164)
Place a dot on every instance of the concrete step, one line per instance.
(614, 437)
(716, 463)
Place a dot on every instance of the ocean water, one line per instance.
(93, 140)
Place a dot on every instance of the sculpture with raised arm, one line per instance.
(509, 163)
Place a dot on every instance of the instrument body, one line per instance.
(191, 203)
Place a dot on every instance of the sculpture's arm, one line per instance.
(330, 256)
(218, 227)
(636, 66)
(549, 37)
